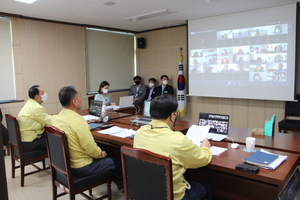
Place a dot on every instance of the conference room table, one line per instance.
(229, 183)
(111, 113)
(286, 142)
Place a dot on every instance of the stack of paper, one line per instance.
(265, 159)
(118, 132)
(90, 118)
(198, 133)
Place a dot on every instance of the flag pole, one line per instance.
(181, 93)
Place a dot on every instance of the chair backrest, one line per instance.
(146, 175)
(90, 98)
(14, 133)
(58, 151)
(292, 108)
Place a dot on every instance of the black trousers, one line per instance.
(37, 144)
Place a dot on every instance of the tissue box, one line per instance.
(258, 131)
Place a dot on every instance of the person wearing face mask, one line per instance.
(164, 88)
(138, 91)
(158, 137)
(103, 94)
(151, 86)
(32, 118)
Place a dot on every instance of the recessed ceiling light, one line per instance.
(26, 1)
(109, 3)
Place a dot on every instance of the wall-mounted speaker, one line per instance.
(141, 43)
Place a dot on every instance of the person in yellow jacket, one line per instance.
(32, 118)
(159, 138)
(85, 156)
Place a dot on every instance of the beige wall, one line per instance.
(161, 57)
(53, 55)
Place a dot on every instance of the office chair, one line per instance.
(61, 170)
(292, 109)
(146, 175)
(17, 154)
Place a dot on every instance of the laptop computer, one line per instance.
(218, 123)
(291, 189)
(146, 119)
(124, 102)
(94, 111)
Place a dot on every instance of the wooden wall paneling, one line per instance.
(53, 55)
(225, 106)
(210, 105)
(256, 110)
(239, 117)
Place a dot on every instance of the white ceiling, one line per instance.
(94, 12)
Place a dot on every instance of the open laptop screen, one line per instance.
(96, 108)
(218, 123)
(126, 101)
(146, 113)
(291, 190)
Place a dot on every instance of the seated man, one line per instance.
(85, 156)
(158, 137)
(151, 85)
(164, 88)
(138, 91)
(32, 118)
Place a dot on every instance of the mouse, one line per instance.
(234, 145)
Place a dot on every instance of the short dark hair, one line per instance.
(102, 85)
(152, 79)
(137, 77)
(164, 76)
(163, 106)
(66, 94)
(33, 91)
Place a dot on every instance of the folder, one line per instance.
(261, 159)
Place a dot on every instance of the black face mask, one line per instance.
(137, 82)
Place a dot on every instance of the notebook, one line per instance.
(291, 189)
(94, 110)
(124, 102)
(218, 123)
(94, 126)
(146, 119)
(260, 159)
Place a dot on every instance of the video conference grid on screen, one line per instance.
(248, 54)
(217, 123)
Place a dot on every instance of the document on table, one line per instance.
(217, 150)
(273, 165)
(90, 117)
(197, 133)
(118, 132)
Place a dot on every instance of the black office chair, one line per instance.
(61, 170)
(17, 154)
(292, 109)
(146, 175)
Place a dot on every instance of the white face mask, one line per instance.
(44, 97)
(151, 84)
(165, 82)
(105, 91)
